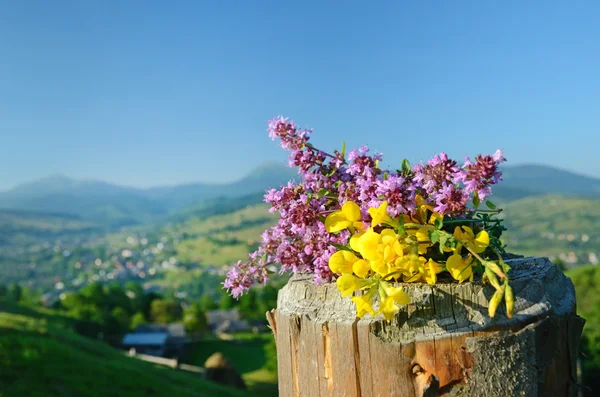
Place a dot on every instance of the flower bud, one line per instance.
(492, 278)
(495, 268)
(510, 301)
(495, 301)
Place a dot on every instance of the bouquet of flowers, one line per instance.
(371, 229)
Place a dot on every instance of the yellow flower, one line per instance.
(431, 271)
(347, 218)
(364, 303)
(354, 240)
(342, 261)
(368, 245)
(379, 215)
(348, 283)
(380, 267)
(361, 268)
(423, 240)
(396, 293)
(412, 263)
(413, 278)
(460, 268)
(477, 243)
(388, 308)
(389, 245)
(422, 207)
(435, 216)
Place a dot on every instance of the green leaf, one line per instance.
(490, 205)
(323, 192)
(439, 222)
(341, 247)
(400, 226)
(434, 236)
(385, 176)
(443, 240)
(343, 148)
(476, 200)
(406, 168)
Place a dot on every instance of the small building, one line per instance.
(226, 321)
(152, 343)
(157, 339)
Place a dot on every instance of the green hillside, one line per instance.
(554, 226)
(587, 287)
(221, 239)
(41, 356)
(27, 226)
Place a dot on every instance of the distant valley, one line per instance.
(109, 205)
(60, 231)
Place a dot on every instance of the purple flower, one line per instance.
(437, 172)
(478, 176)
(398, 192)
(299, 241)
(451, 200)
(292, 138)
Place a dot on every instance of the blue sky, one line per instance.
(150, 93)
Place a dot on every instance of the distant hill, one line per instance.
(112, 205)
(43, 357)
(25, 226)
(257, 181)
(541, 179)
(554, 226)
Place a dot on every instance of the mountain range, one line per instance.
(114, 205)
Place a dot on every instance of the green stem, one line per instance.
(449, 236)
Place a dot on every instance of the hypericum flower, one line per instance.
(396, 293)
(361, 268)
(461, 269)
(379, 215)
(342, 262)
(477, 243)
(432, 269)
(411, 264)
(364, 303)
(422, 239)
(347, 284)
(388, 308)
(368, 245)
(347, 218)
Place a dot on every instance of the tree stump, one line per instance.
(443, 343)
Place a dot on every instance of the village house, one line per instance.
(157, 340)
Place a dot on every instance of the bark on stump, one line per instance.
(443, 343)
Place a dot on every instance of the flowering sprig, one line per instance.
(369, 229)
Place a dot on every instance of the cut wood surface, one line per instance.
(443, 343)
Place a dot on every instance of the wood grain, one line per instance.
(443, 343)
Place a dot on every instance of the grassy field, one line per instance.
(586, 280)
(551, 225)
(41, 356)
(221, 239)
(248, 354)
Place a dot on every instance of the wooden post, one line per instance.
(443, 343)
